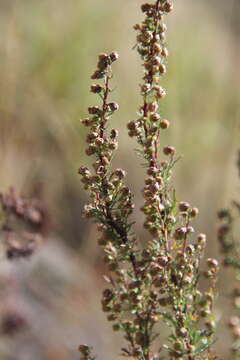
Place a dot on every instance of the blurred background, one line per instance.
(48, 51)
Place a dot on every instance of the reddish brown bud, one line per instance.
(113, 106)
(164, 124)
(96, 88)
(162, 68)
(146, 7)
(155, 117)
(169, 150)
(183, 206)
(114, 56)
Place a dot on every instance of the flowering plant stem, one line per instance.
(156, 282)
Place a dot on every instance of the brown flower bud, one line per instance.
(180, 233)
(169, 150)
(194, 212)
(114, 134)
(160, 92)
(162, 68)
(137, 27)
(202, 239)
(168, 6)
(113, 106)
(157, 48)
(162, 28)
(152, 107)
(212, 263)
(155, 117)
(164, 124)
(146, 7)
(120, 173)
(132, 125)
(114, 56)
(164, 52)
(152, 171)
(145, 88)
(97, 75)
(96, 88)
(183, 206)
(94, 110)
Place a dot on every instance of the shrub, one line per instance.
(155, 282)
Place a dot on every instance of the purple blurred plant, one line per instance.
(228, 237)
(23, 224)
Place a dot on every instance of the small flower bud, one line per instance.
(168, 7)
(164, 124)
(145, 88)
(183, 206)
(194, 212)
(93, 110)
(169, 150)
(190, 230)
(120, 173)
(156, 61)
(137, 27)
(212, 263)
(90, 150)
(152, 107)
(83, 170)
(146, 7)
(180, 233)
(164, 52)
(114, 56)
(160, 92)
(152, 171)
(103, 61)
(157, 48)
(162, 68)
(114, 134)
(96, 88)
(202, 239)
(182, 332)
(132, 125)
(86, 121)
(113, 106)
(97, 75)
(113, 145)
(155, 117)
(162, 27)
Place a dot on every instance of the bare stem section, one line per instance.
(155, 285)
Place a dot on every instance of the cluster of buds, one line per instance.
(158, 281)
(151, 45)
(228, 238)
(23, 225)
(111, 202)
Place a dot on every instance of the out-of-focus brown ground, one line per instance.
(48, 51)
